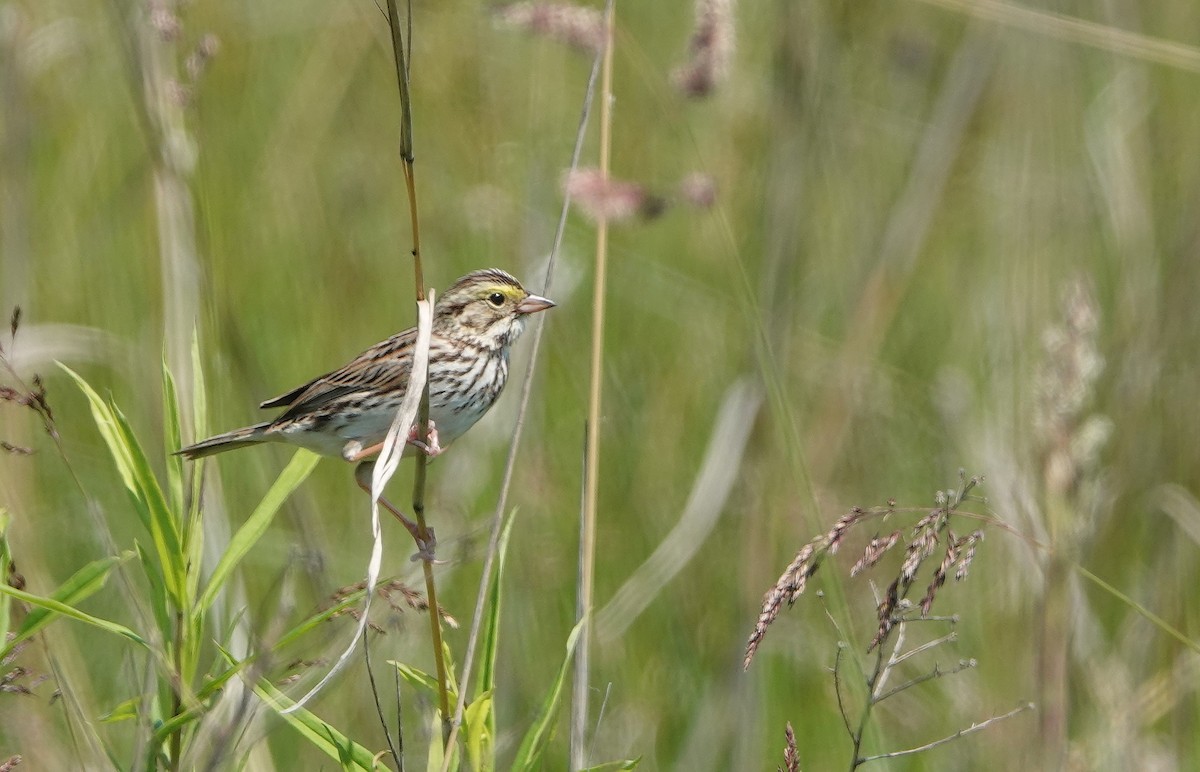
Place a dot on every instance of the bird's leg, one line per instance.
(425, 543)
(355, 452)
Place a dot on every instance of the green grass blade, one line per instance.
(59, 607)
(491, 630)
(330, 741)
(199, 395)
(289, 479)
(159, 604)
(82, 584)
(540, 734)
(5, 562)
(105, 423)
(139, 480)
(1146, 613)
(164, 528)
(613, 766)
(416, 677)
(124, 711)
(480, 735)
(172, 439)
(317, 619)
(200, 429)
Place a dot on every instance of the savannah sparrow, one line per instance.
(347, 412)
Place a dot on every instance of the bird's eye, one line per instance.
(496, 299)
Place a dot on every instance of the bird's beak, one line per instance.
(533, 304)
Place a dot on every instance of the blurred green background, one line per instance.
(905, 193)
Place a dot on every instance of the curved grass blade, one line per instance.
(172, 437)
(289, 479)
(330, 741)
(69, 611)
(539, 735)
(480, 737)
(491, 631)
(613, 766)
(83, 583)
(141, 483)
(5, 562)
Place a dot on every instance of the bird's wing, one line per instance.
(382, 367)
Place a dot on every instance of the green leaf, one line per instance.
(173, 437)
(199, 394)
(416, 677)
(102, 415)
(324, 737)
(491, 630)
(1146, 613)
(83, 583)
(164, 526)
(316, 620)
(435, 756)
(539, 735)
(139, 480)
(289, 479)
(200, 428)
(125, 711)
(68, 611)
(200, 705)
(477, 721)
(158, 592)
(5, 562)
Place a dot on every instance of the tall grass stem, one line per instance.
(522, 409)
(591, 481)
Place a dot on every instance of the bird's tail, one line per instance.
(238, 438)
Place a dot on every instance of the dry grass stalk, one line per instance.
(1069, 438)
(18, 679)
(788, 587)
(197, 61)
(296, 668)
(1065, 384)
(791, 756)
(578, 26)
(31, 395)
(389, 590)
(710, 50)
(875, 550)
(968, 555)
(922, 543)
(794, 579)
(954, 546)
(10, 763)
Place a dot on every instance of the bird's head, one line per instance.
(488, 307)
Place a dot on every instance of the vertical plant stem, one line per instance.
(176, 741)
(1055, 634)
(514, 444)
(872, 683)
(587, 543)
(419, 478)
(173, 156)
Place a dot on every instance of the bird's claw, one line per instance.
(430, 446)
(425, 548)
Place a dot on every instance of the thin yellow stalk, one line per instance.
(418, 498)
(514, 443)
(587, 542)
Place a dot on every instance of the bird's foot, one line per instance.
(425, 548)
(430, 446)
